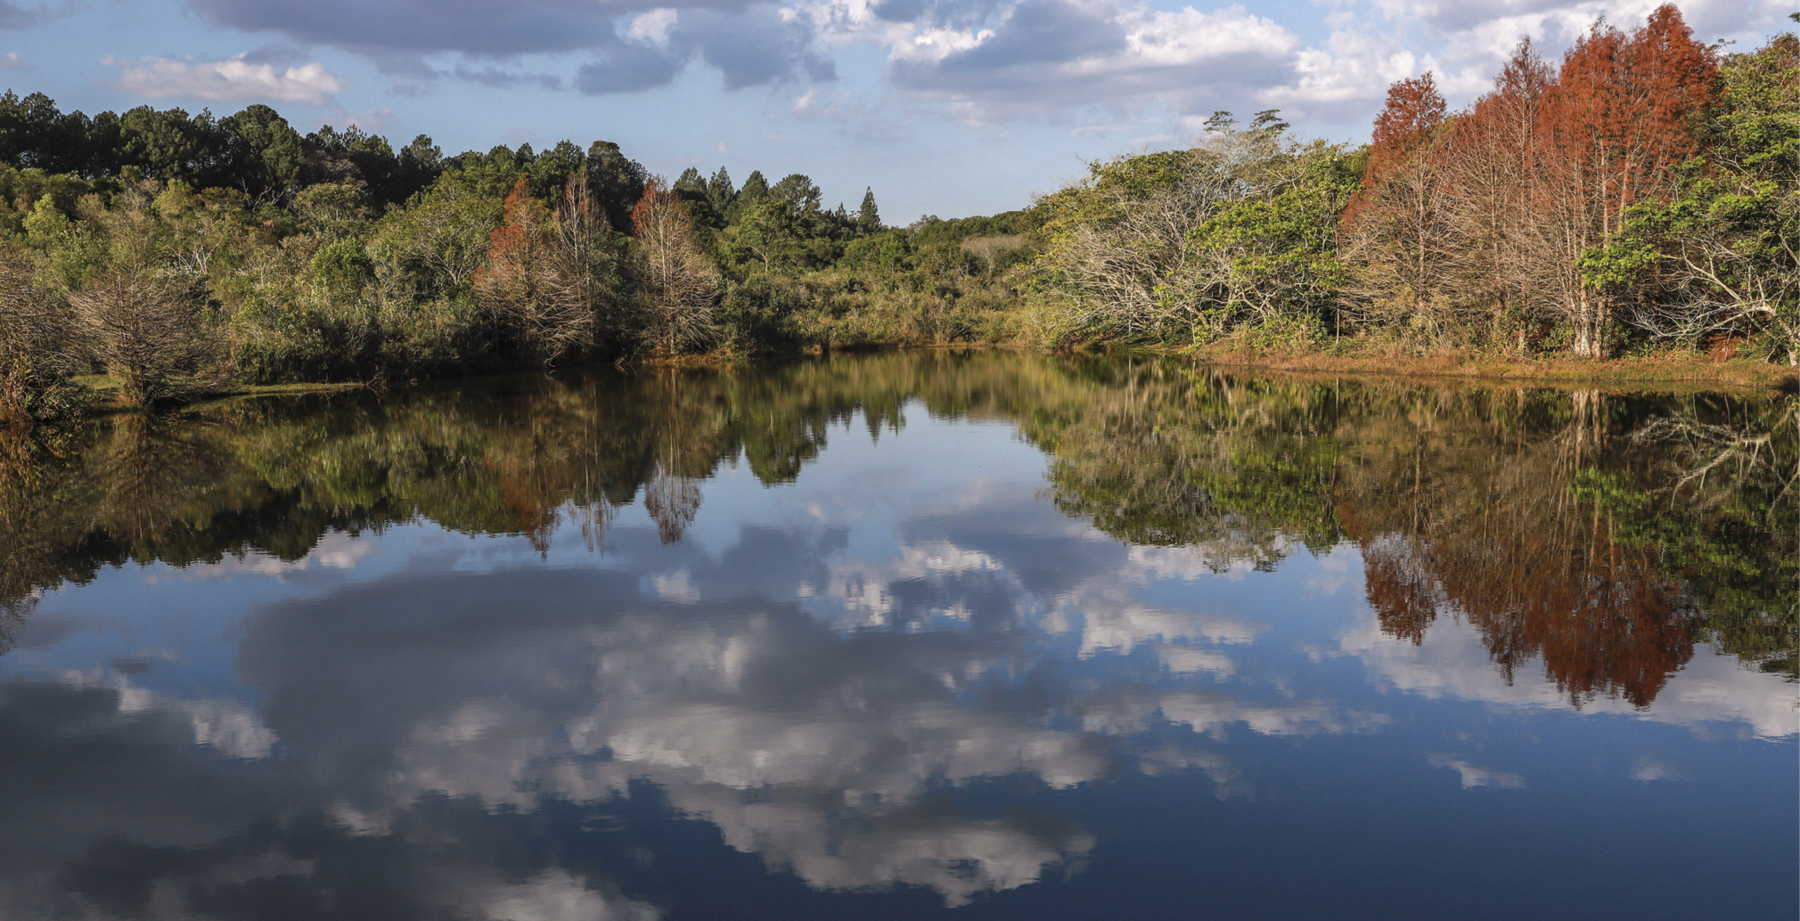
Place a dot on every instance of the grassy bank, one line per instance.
(1669, 371)
(103, 391)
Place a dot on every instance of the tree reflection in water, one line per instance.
(1602, 533)
(944, 720)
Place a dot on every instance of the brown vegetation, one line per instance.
(147, 331)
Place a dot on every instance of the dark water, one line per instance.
(985, 636)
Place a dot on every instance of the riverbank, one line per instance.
(1682, 371)
(1687, 372)
(103, 391)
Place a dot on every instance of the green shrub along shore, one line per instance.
(1639, 198)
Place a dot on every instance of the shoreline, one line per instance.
(1695, 373)
(1687, 373)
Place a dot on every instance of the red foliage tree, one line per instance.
(518, 264)
(1621, 114)
(1504, 205)
(1490, 176)
(1396, 226)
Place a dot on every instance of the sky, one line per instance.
(943, 107)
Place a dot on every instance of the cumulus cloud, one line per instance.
(230, 80)
(757, 46)
(1047, 58)
(1453, 662)
(987, 60)
(386, 27)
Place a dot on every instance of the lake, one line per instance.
(975, 635)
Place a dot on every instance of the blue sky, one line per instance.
(948, 107)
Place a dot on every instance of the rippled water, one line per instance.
(982, 635)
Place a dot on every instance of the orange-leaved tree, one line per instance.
(1621, 115)
(1397, 229)
(1489, 180)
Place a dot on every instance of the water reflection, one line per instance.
(729, 639)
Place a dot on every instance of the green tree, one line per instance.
(268, 157)
(1721, 252)
(868, 217)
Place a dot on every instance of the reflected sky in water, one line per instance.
(907, 681)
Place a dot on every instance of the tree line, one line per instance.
(176, 253)
(1642, 195)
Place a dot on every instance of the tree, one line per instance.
(1192, 244)
(583, 295)
(36, 359)
(513, 284)
(1489, 186)
(1720, 253)
(436, 245)
(720, 193)
(765, 230)
(677, 281)
(617, 182)
(268, 157)
(755, 189)
(146, 329)
(1611, 131)
(868, 218)
(1397, 229)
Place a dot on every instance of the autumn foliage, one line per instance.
(1498, 214)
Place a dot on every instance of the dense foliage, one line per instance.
(176, 252)
(1643, 195)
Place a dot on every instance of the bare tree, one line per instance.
(147, 330)
(678, 281)
(1715, 284)
(1489, 165)
(580, 295)
(36, 359)
(1398, 230)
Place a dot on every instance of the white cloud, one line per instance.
(652, 26)
(335, 550)
(1649, 769)
(1473, 776)
(1453, 662)
(1030, 58)
(230, 80)
(558, 896)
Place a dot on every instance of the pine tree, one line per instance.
(719, 192)
(868, 219)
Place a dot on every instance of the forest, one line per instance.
(1640, 196)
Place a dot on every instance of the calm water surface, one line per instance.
(902, 636)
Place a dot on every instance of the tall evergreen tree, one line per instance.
(868, 218)
(719, 191)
